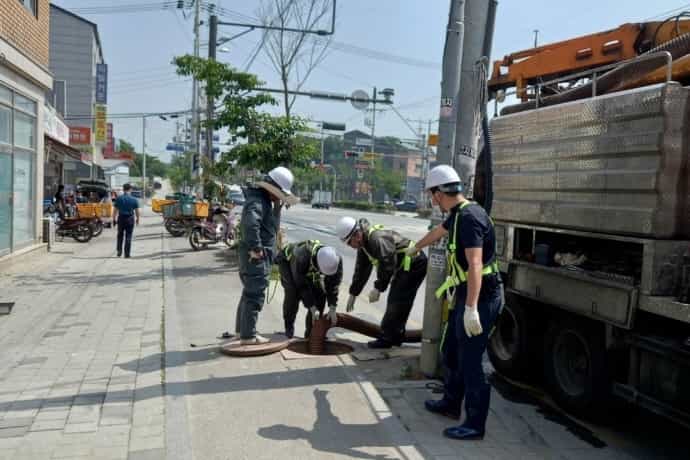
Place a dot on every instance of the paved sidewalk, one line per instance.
(81, 352)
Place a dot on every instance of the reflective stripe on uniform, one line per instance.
(406, 260)
(314, 272)
(456, 275)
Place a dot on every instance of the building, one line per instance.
(24, 80)
(80, 74)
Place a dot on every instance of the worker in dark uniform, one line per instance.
(385, 250)
(258, 228)
(474, 283)
(125, 215)
(309, 272)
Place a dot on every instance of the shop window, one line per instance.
(5, 95)
(30, 5)
(23, 202)
(24, 131)
(25, 104)
(5, 124)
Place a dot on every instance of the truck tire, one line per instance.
(513, 340)
(575, 365)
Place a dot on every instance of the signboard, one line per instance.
(174, 147)
(363, 141)
(127, 156)
(362, 165)
(109, 148)
(86, 157)
(79, 135)
(54, 126)
(101, 125)
(433, 139)
(101, 83)
(370, 156)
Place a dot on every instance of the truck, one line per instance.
(321, 199)
(592, 219)
(591, 205)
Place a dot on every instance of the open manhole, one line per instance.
(329, 348)
(6, 308)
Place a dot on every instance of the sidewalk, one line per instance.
(81, 353)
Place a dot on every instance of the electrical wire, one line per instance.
(667, 13)
(126, 8)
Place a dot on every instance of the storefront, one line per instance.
(18, 169)
(58, 152)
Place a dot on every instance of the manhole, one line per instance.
(329, 348)
(6, 308)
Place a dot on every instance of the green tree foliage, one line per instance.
(154, 166)
(387, 180)
(179, 172)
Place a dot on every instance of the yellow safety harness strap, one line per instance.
(372, 260)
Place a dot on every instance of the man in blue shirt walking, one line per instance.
(126, 211)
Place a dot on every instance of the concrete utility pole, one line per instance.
(479, 27)
(195, 88)
(212, 43)
(436, 272)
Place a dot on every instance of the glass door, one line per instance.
(23, 200)
(5, 203)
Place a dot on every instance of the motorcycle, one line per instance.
(219, 226)
(96, 225)
(79, 229)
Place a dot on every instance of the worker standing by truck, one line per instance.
(385, 250)
(474, 285)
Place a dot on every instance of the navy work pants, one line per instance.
(125, 228)
(462, 355)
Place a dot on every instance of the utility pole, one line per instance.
(373, 135)
(536, 37)
(195, 88)
(143, 152)
(212, 43)
(436, 272)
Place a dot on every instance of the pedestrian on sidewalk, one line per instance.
(125, 215)
(475, 283)
(309, 272)
(385, 250)
(258, 228)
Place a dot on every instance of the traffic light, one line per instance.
(180, 4)
(351, 154)
(195, 162)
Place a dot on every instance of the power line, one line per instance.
(668, 13)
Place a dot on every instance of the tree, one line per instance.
(294, 55)
(385, 179)
(154, 166)
(179, 172)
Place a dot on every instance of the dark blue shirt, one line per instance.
(126, 204)
(474, 230)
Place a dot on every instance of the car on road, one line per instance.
(237, 198)
(407, 205)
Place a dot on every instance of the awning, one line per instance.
(53, 145)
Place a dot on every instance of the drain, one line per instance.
(6, 308)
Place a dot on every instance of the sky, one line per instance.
(139, 47)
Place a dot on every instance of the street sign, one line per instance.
(359, 164)
(175, 147)
(370, 156)
(433, 139)
(333, 126)
(360, 99)
(363, 141)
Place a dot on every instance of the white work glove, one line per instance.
(315, 315)
(332, 315)
(374, 295)
(411, 251)
(350, 304)
(471, 319)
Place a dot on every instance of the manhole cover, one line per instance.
(329, 348)
(278, 343)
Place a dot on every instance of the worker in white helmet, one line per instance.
(474, 289)
(258, 234)
(309, 272)
(386, 250)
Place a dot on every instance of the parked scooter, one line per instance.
(219, 226)
(79, 229)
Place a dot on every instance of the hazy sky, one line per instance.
(138, 48)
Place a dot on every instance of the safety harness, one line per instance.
(406, 261)
(314, 274)
(456, 275)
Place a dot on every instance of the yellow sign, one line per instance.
(101, 124)
(433, 139)
(370, 156)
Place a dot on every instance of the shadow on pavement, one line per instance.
(330, 435)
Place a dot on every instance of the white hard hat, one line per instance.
(328, 260)
(345, 227)
(283, 178)
(443, 175)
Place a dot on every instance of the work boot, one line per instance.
(256, 340)
(443, 407)
(289, 330)
(380, 344)
(463, 433)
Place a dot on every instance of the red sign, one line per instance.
(109, 148)
(79, 135)
(127, 156)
